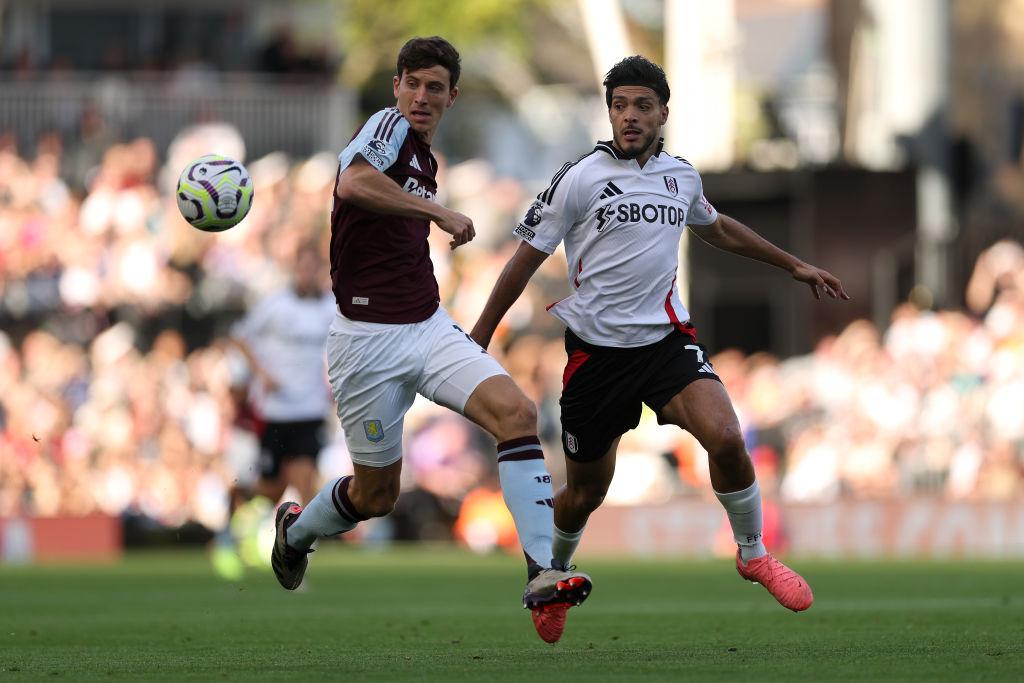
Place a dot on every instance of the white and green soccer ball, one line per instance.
(214, 193)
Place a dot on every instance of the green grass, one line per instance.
(441, 615)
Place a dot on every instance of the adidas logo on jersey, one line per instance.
(707, 368)
(415, 163)
(610, 190)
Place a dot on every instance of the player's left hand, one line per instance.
(820, 281)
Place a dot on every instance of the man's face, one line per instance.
(637, 116)
(424, 96)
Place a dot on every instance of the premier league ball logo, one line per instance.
(533, 214)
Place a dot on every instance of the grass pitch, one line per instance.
(442, 615)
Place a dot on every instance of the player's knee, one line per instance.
(377, 504)
(589, 496)
(728, 449)
(374, 501)
(526, 414)
(520, 419)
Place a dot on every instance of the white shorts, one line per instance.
(377, 369)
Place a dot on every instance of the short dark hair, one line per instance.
(423, 53)
(636, 70)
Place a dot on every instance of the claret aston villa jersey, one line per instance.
(380, 263)
(621, 225)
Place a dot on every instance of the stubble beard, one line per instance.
(640, 152)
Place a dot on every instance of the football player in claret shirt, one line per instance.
(620, 211)
(391, 339)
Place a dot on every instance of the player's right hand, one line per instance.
(459, 226)
(267, 380)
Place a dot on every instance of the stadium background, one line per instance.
(882, 141)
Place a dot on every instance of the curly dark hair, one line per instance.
(636, 70)
(423, 53)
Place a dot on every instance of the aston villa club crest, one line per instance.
(374, 430)
(672, 185)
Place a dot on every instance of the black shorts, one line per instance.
(289, 440)
(603, 388)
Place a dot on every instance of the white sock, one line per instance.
(526, 487)
(744, 510)
(564, 546)
(328, 514)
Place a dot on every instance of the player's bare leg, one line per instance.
(703, 408)
(374, 490)
(501, 408)
(271, 489)
(301, 473)
(586, 484)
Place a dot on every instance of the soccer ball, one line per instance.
(214, 193)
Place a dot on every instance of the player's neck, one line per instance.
(426, 137)
(643, 157)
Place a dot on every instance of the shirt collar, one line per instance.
(608, 147)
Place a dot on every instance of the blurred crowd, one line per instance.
(119, 395)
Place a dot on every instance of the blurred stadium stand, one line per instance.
(270, 113)
(116, 390)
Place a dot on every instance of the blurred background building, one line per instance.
(881, 140)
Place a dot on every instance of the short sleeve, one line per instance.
(378, 141)
(555, 210)
(701, 212)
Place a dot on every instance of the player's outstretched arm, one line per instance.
(366, 187)
(508, 288)
(730, 235)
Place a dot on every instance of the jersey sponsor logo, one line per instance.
(672, 185)
(374, 430)
(412, 186)
(635, 213)
(524, 232)
(571, 444)
(361, 300)
(373, 154)
(707, 205)
(415, 163)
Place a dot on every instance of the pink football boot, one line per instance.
(785, 585)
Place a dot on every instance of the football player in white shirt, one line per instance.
(620, 211)
(281, 339)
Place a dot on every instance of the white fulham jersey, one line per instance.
(621, 225)
(287, 333)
